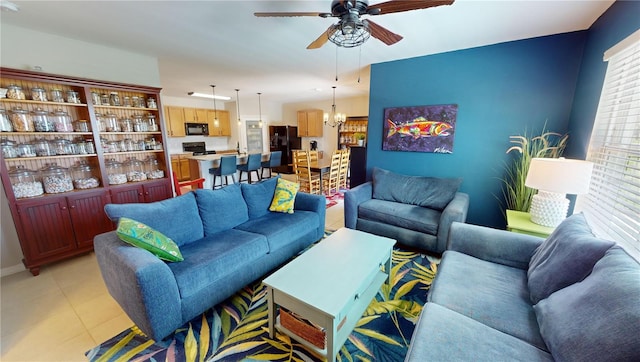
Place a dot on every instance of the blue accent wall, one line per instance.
(501, 90)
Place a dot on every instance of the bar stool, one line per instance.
(275, 160)
(226, 168)
(253, 165)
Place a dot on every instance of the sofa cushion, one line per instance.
(432, 192)
(216, 257)
(299, 224)
(564, 258)
(284, 196)
(258, 196)
(491, 293)
(221, 209)
(142, 236)
(444, 335)
(412, 217)
(597, 319)
(177, 218)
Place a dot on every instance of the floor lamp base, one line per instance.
(548, 208)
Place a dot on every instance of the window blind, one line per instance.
(612, 205)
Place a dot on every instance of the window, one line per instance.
(612, 205)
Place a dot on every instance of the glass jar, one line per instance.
(81, 125)
(9, 149)
(56, 96)
(15, 92)
(139, 123)
(130, 145)
(111, 123)
(126, 101)
(126, 125)
(152, 125)
(72, 97)
(41, 121)
(135, 170)
(56, 179)
(5, 123)
(95, 98)
(26, 150)
(82, 175)
(39, 94)
(80, 146)
(104, 99)
(151, 103)
(63, 146)
(152, 168)
(91, 148)
(102, 127)
(137, 102)
(21, 120)
(115, 172)
(114, 99)
(61, 121)
(25, 182)
(112, 146)
(44, 148)
(150, 143)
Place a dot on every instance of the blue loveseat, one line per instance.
(416, 211)
(228, 238)
(501, 296)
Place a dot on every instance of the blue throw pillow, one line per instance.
(221, 209)
(258, 196)
(566, 257)
(432, 192)
(177, 218)
(597, 319)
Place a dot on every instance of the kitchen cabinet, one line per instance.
(54, 226)
(195, 115)
(143, 192)
(174, 121)
(180, 165)
(224, 126)
(310, 123)
(348, 131)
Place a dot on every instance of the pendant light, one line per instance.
(260, 111)
(238, 105)
(216, 121)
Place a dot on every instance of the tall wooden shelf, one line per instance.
(53, 227)
(350, 129)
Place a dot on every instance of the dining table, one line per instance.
(321, 166)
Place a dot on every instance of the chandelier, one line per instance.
(350, 32)
(334, 118)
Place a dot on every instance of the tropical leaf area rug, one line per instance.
(237, 329)
(335, 198)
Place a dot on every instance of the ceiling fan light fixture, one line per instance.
(349, 33)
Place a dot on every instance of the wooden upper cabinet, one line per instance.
(224, 127)
(175, 121)
(195, 115)
(310, 123)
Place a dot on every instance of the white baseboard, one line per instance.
(12, 270)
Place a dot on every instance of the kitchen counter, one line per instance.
(205, 162)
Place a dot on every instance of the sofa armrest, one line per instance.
(497, 246)
(455, 211)
(352, 199)
(142, 284)
(315, 203)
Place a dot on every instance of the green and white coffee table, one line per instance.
(331, 285)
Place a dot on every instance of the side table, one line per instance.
(520, 222)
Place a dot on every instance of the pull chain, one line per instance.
(337, 63)
(359, 62)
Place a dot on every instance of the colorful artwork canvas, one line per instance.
(420, 128)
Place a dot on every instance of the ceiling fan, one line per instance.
(351, 30)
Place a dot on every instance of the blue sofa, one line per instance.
(416, 211)
(228, 238)
(502, 296)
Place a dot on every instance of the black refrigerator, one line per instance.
(285, 139)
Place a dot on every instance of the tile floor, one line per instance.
(66, 310)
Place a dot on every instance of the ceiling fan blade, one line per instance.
(404, 5)
(383, 34)
(323, 38)
(286, 14)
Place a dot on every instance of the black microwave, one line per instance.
(196, 129)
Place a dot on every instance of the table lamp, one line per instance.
(554, 178)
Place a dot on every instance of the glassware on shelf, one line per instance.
(112, 146)
(134, 169)
(151, 103)
(114, 99)
(56, 95)
(21, 120)
(152, 168)
(43, 148)
(39, 94)
(56, 179)
(41, 121)
(83, 177)
(63, 146)
(152, 125)
(102, 127)
(9, 149)
(5, 122)
(126, 125)
(61, 121)
(91, 148)
(25, 182)
(150, 144)
(126, 101)
(139, 123)
(81, 125)
(111, 123)
(104, 99)
(15, 92)
(73, 97)
(26, 150)
(80, 146)
(115, 172)
(130, 145)
(137, 102)
(95, 98)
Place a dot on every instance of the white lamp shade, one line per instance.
(559, 175)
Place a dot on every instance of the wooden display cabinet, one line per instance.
(348, 131)
(55, 226)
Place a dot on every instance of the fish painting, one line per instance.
(419, 127)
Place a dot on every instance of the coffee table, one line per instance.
(331, 285)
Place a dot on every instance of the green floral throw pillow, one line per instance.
(142, 236)
(284, 196)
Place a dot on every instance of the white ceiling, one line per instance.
(198, 43)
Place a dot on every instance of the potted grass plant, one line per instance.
(360, 138)
(516, 195)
